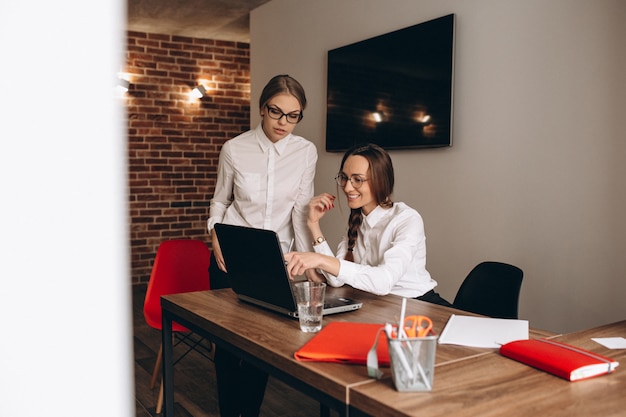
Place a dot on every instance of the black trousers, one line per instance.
(240, 386)
(433, 297)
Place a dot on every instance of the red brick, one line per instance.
(174, 143)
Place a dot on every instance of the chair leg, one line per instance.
(159, 404)
(155, 374)
(157, 367)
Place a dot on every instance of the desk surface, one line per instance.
(271, 339)
(492, 385)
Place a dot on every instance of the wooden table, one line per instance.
(269, 341)
(492, 385)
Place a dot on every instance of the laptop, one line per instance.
(257, 272)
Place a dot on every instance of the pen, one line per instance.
(413, 355)
(289, 249)
(401, 332)
(399, 352)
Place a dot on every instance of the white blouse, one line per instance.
(389, 254)
(266, 185)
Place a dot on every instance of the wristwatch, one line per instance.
(319, 240)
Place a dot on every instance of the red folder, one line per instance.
(345, 342)
(566, 361)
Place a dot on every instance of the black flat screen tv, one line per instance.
(394, 90)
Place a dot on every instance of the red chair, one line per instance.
(179, 266)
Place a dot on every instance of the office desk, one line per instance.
(269, 340)
(492, 385)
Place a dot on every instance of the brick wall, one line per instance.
(173, 140)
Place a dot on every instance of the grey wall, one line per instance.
(535, 176)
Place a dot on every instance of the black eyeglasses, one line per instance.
(277, 114)
(355, 180)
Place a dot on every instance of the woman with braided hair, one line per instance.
(384, 249)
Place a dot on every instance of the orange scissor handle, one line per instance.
(417, 326)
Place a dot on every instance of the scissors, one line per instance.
(417, 326)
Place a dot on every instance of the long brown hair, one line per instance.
(381, 180)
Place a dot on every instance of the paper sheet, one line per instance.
(482, 332)
(611, 342)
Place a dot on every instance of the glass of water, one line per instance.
(310, 300)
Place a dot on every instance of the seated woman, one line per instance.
(384, 249)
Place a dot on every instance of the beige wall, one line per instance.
(535, 176)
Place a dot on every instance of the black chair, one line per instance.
(491, 289)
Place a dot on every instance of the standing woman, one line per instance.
(264, 180)
(384, 249)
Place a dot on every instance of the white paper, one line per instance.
(482, 332)
(611, 342)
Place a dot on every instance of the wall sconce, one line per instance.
(123, 85)
(198, 92)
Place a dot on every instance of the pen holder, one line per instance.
(413, 362)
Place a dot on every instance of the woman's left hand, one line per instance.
(319, 205)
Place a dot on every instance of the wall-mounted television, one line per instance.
(394, 90)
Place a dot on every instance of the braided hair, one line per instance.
(381, 179)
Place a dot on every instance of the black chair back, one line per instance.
(491, 289)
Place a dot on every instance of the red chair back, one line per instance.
(180, 265)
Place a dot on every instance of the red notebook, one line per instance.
(566, 361)
(345, 342)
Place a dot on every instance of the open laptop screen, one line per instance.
(255, 264)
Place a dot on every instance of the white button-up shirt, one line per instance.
(389, 254)
(266, 185)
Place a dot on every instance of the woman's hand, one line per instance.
(319, 205)
(217, 251)
(298, 263)
(314, 276)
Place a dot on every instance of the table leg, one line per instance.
(168, 365)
